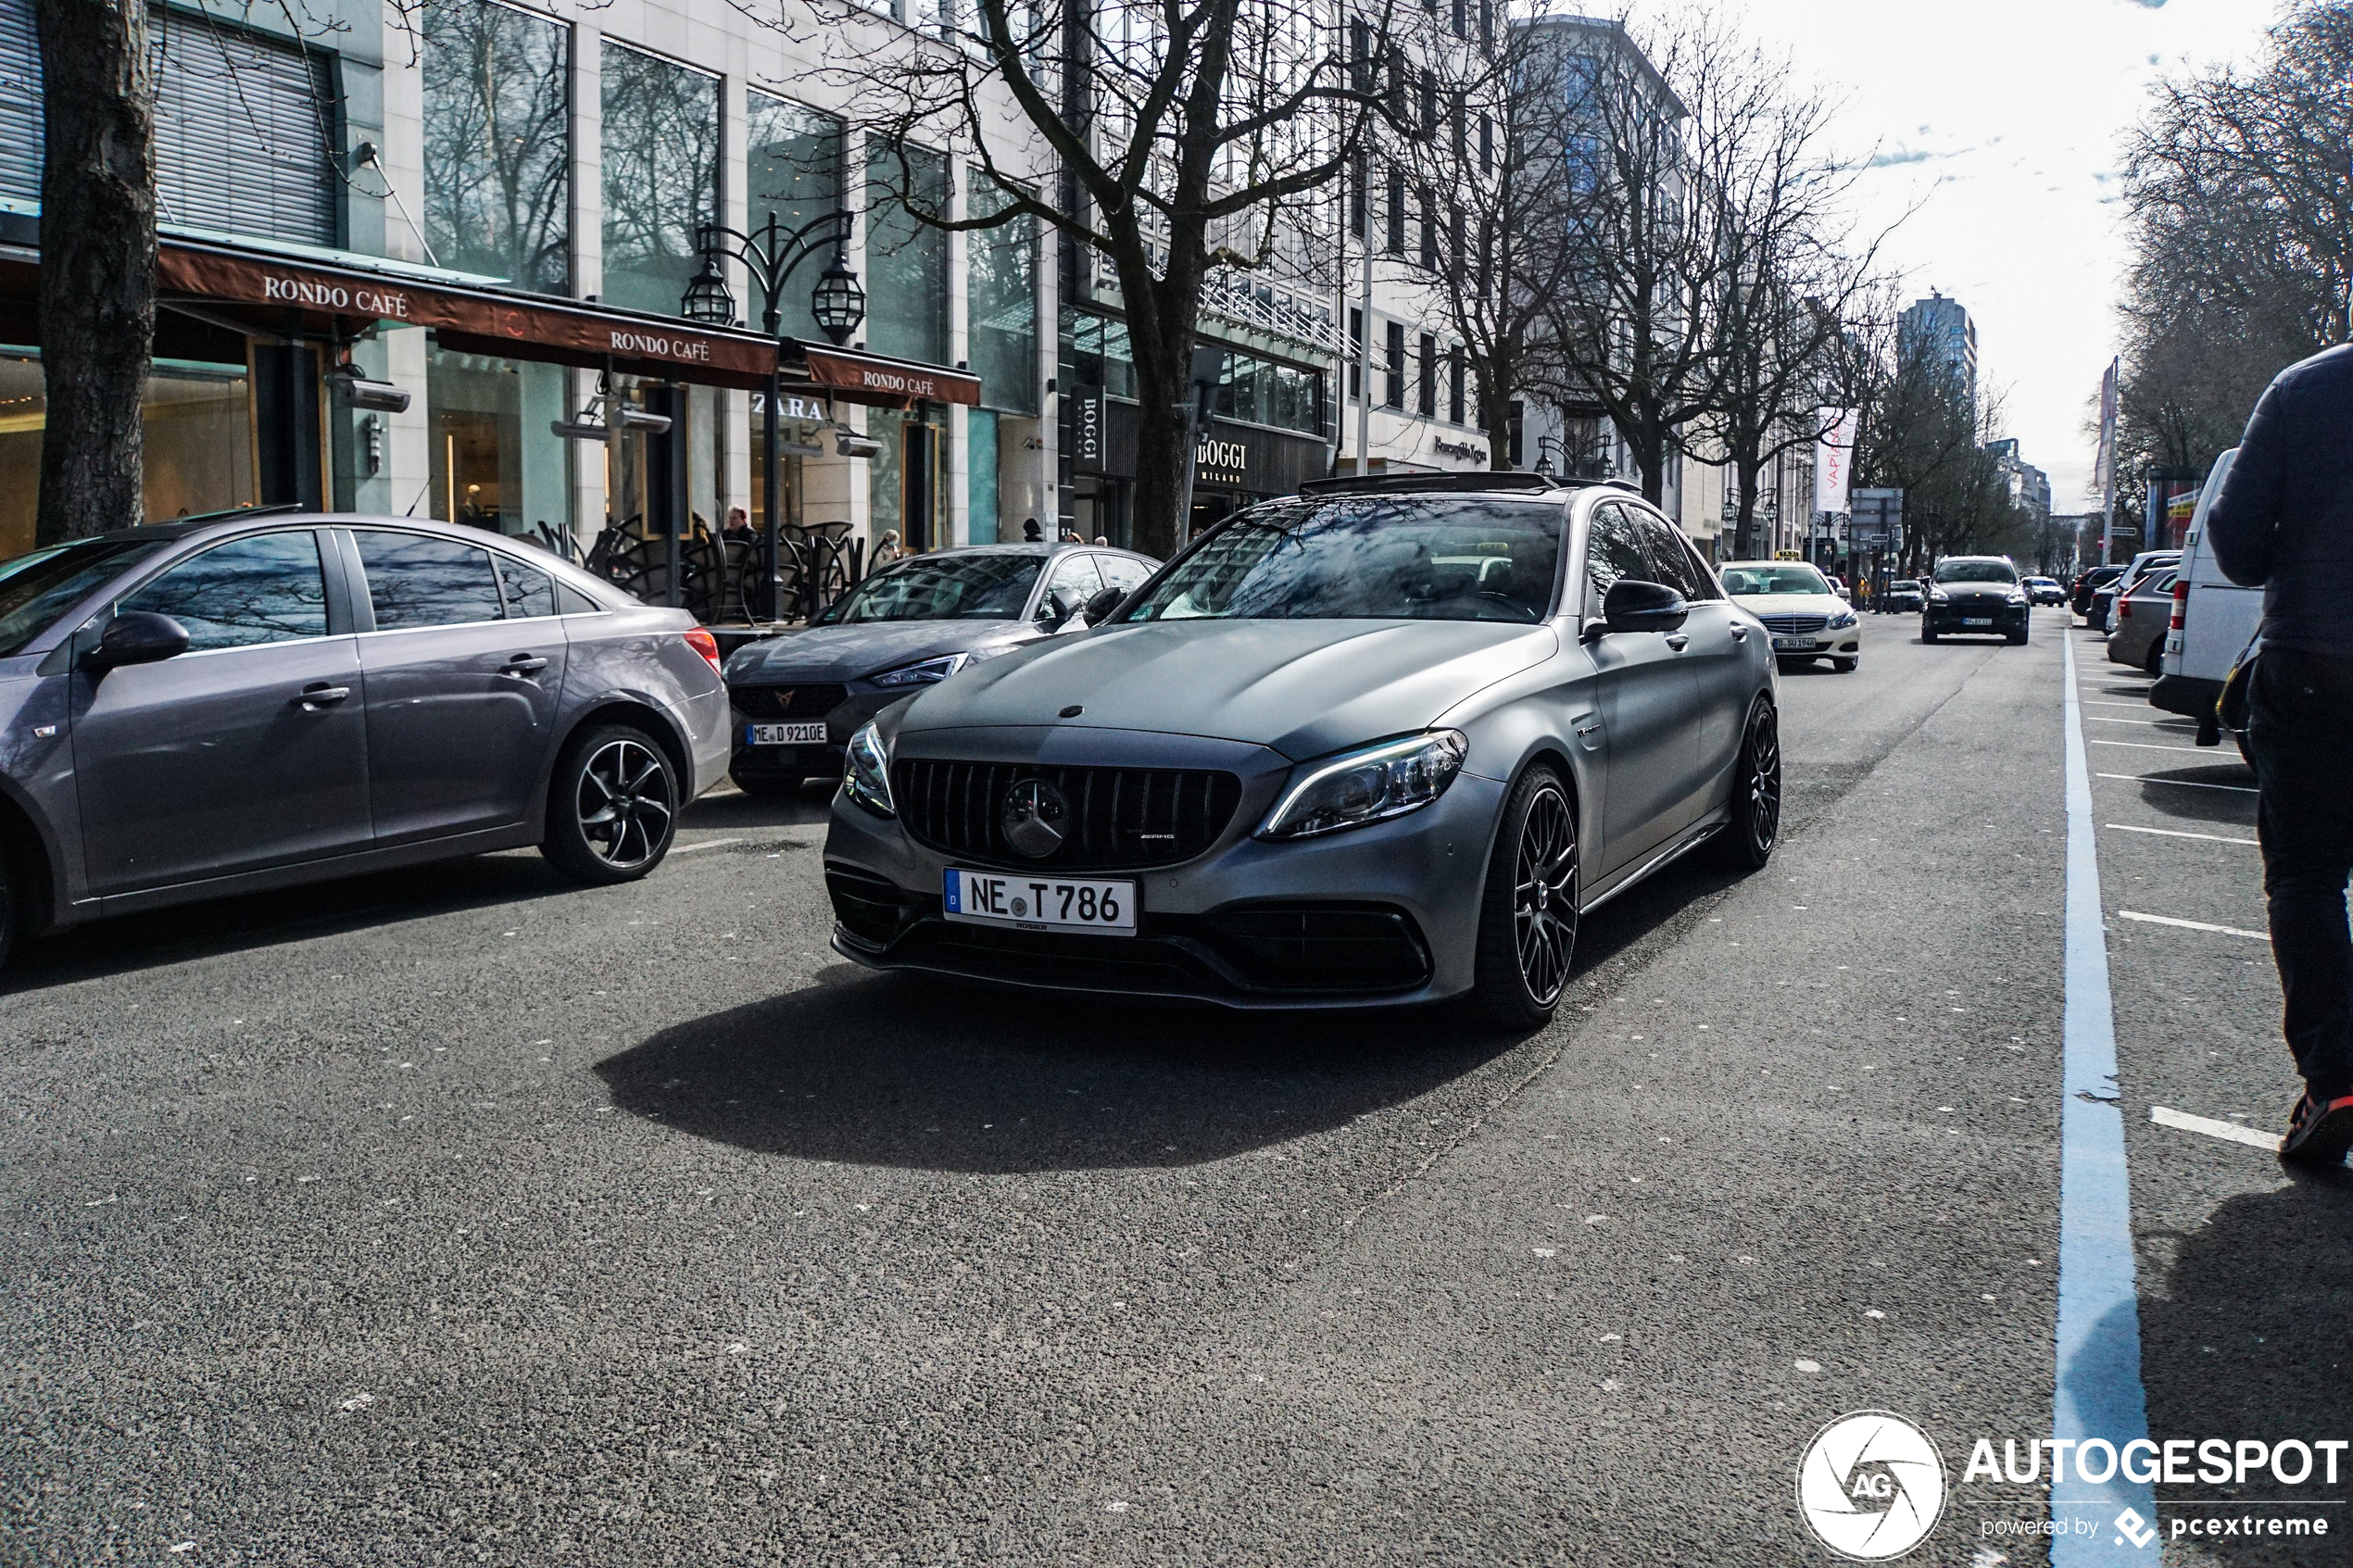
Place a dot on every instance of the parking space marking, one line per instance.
(706, 844)
(2185, 783)
(2156, 723)
(2147, 746)
(2096, 1390)
(2253, 1137)
(2177, 833)
(2191, 924)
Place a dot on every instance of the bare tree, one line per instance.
(1190, 134)
(97, 261)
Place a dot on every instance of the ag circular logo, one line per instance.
(1032, 816)
(1872, 1485)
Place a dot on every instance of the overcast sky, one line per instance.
(2006, 114)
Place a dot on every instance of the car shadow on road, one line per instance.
(805, 807)
(2223, 794)
(906, 1071)
(2245, 1335)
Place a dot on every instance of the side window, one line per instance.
(1613, 549)
(529, 590)
(414, 580)
(264, 589)
(1123, 574)
(1074, 580)
(1663, 545)
(572, 601)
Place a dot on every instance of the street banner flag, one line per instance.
(2104, 463)
(1833, 455)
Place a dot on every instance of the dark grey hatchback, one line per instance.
(228, 706)
(800, 695)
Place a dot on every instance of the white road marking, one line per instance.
(2153, 723)
(2192, 924)
(2145, 745)
(2176, 832)
(2142, 706)
(2164, 1116)
(2185, 783)
(706, 844)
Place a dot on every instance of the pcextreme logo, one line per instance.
(1872, 1485)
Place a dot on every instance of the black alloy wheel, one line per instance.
(1748, 839)
(1528, 915)
(8, 910)
(612, 807)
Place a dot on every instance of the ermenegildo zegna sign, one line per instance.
(489, 323)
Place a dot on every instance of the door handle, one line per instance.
(1679, 641)
(1740, 634)
(321, 694)
(524, 664)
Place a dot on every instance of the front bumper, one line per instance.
(1990, 621)
(789, 764)
(1846, 642)
(1385, 916)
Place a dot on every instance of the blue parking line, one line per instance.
(2098, 1389)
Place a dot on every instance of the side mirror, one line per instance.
(1103, 604)
(1633, 605)
(136, 636)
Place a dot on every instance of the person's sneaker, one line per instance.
(2319, 1131)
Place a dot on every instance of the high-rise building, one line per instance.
(1942, 326)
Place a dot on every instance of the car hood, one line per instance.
(1762, 605)
(1301, 688)
(845, 653)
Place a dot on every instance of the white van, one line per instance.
(2214, 619)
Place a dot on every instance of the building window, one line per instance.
(1360, 53)
(906, 258)
(1486, 144)
(1396, 210)
(490, 465)
(498, 123)
(662, 175)
(1458, 118)
(1100, 355)
(1356, 352)
(1002, 295)
(1267, 392)
(1429, 231)
(1396, 393)
(1360, 194)
(1454, 384)
(1486, 23)
(245, 130)
(1426, 372)
(792, 168)
(1462, 19)
(1429, 102)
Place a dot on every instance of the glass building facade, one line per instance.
(792, 169)
(907, 275)
(498, 114)
(661, 175)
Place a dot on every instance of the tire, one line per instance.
(2154, 663)
(2016, 639)
(1927, 633)
(1527, 911)
(612, 807)
(11, 901)
(1748, 840)
(1846, 666)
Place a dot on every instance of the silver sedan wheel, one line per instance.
(1544, 895)
(626, 803)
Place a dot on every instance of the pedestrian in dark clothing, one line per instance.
(2284, 521)
(1031, 532)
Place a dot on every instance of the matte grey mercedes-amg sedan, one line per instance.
(1382, 743)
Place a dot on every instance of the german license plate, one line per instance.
(1040, 903)
(1977, 620)
(1801, 644)
(785, 735)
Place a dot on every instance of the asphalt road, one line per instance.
(461, 1216)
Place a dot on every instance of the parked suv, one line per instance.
(226, 706)
(1975, 596)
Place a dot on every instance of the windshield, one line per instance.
(978, 587)
(1903, 582)
(36, 589)
(1371, 558)
(1976, 571)
(1793, 579)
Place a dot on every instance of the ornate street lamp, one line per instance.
(772, 254)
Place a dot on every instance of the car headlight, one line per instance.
(1369, 785)
(865, 775)
(2016, 597)
(1938, 597)
(922, 674)
(1841, 620)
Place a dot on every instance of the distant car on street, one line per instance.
(2087, 585)
(238, 704)
(799, 695)
(2142, 617)
(1838, 586)
(1903, 596)
(2102, 616)
(2045, 590)
(1974, 595)
(1807, 617)
(1380, 744)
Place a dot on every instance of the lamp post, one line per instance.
(772, 254)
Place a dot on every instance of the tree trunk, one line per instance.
(1650, 455)
(97, 262)
(1161, 456)
(1746, 470)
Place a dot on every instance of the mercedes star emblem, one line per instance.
(1033, 816)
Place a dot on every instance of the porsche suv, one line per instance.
(1383, 743)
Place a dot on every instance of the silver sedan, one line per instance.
(1382, 743)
